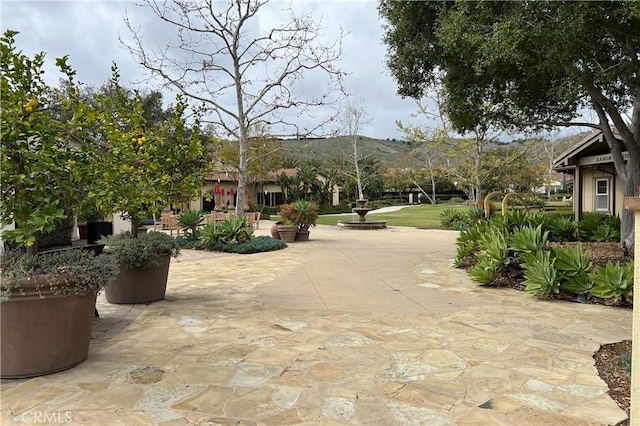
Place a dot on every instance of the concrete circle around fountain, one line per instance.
(356, 224)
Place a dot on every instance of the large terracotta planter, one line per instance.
(287, 233)
(274, 231)
(302, 236)
(135, 285)
(43, 335)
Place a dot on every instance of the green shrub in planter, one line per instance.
(69, 271)
(141, 251)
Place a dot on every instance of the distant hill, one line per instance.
(384, 150)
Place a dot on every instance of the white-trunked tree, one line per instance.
(244, 73)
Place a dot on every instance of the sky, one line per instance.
(89, 32)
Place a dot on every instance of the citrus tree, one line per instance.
(144, 165)
(44, 152)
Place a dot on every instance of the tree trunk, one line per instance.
(135, 225)
(631, 189)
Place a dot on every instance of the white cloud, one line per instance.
(89, 31)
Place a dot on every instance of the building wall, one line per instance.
(590, 176)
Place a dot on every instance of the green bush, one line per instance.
(142, 251)
(599, 227)
(67, 271)
(547, 270)
(468, 242)
(484, 272)
(189, 243)
(255, 245)
(562, 229)
(59, 237)
(454, 219)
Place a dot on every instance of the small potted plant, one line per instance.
(287, 231)
(144, 266)
(303, 214)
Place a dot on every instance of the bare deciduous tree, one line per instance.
(243, 74)
(353, 118)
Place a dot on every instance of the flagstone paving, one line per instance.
(352, 327)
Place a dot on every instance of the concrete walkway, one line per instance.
(352, 327)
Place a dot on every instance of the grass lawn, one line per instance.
(423, 216)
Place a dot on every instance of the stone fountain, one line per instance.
(362, 223)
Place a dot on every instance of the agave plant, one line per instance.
(190, 221)
(528, 239)
(612, 281)
(540, 274)
(562, 229)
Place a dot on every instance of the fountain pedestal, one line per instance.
(362, 222)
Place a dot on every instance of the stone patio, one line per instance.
(352, 327)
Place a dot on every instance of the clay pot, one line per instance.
(287, 233)
(302, 236)
(139, 285)
(274, 231)
(44, 335)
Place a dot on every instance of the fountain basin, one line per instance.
(357, 224)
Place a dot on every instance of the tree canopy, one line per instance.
(541, 63)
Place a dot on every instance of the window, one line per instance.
(602, 195)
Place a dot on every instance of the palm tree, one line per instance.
(307, 176)
(284, 182)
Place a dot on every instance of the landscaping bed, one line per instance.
(613, 361)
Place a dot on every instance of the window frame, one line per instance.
(607, 194)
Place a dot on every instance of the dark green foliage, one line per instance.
(548, 270)
(142, 251)
(468, 242)
(60, 236)
(454, 219)
(599, 227)
(562, 229)
(189, 243)
(553, 214)
(605, 233)
(612, 281)
(68, 271)
(492, 255)
(255, 245)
